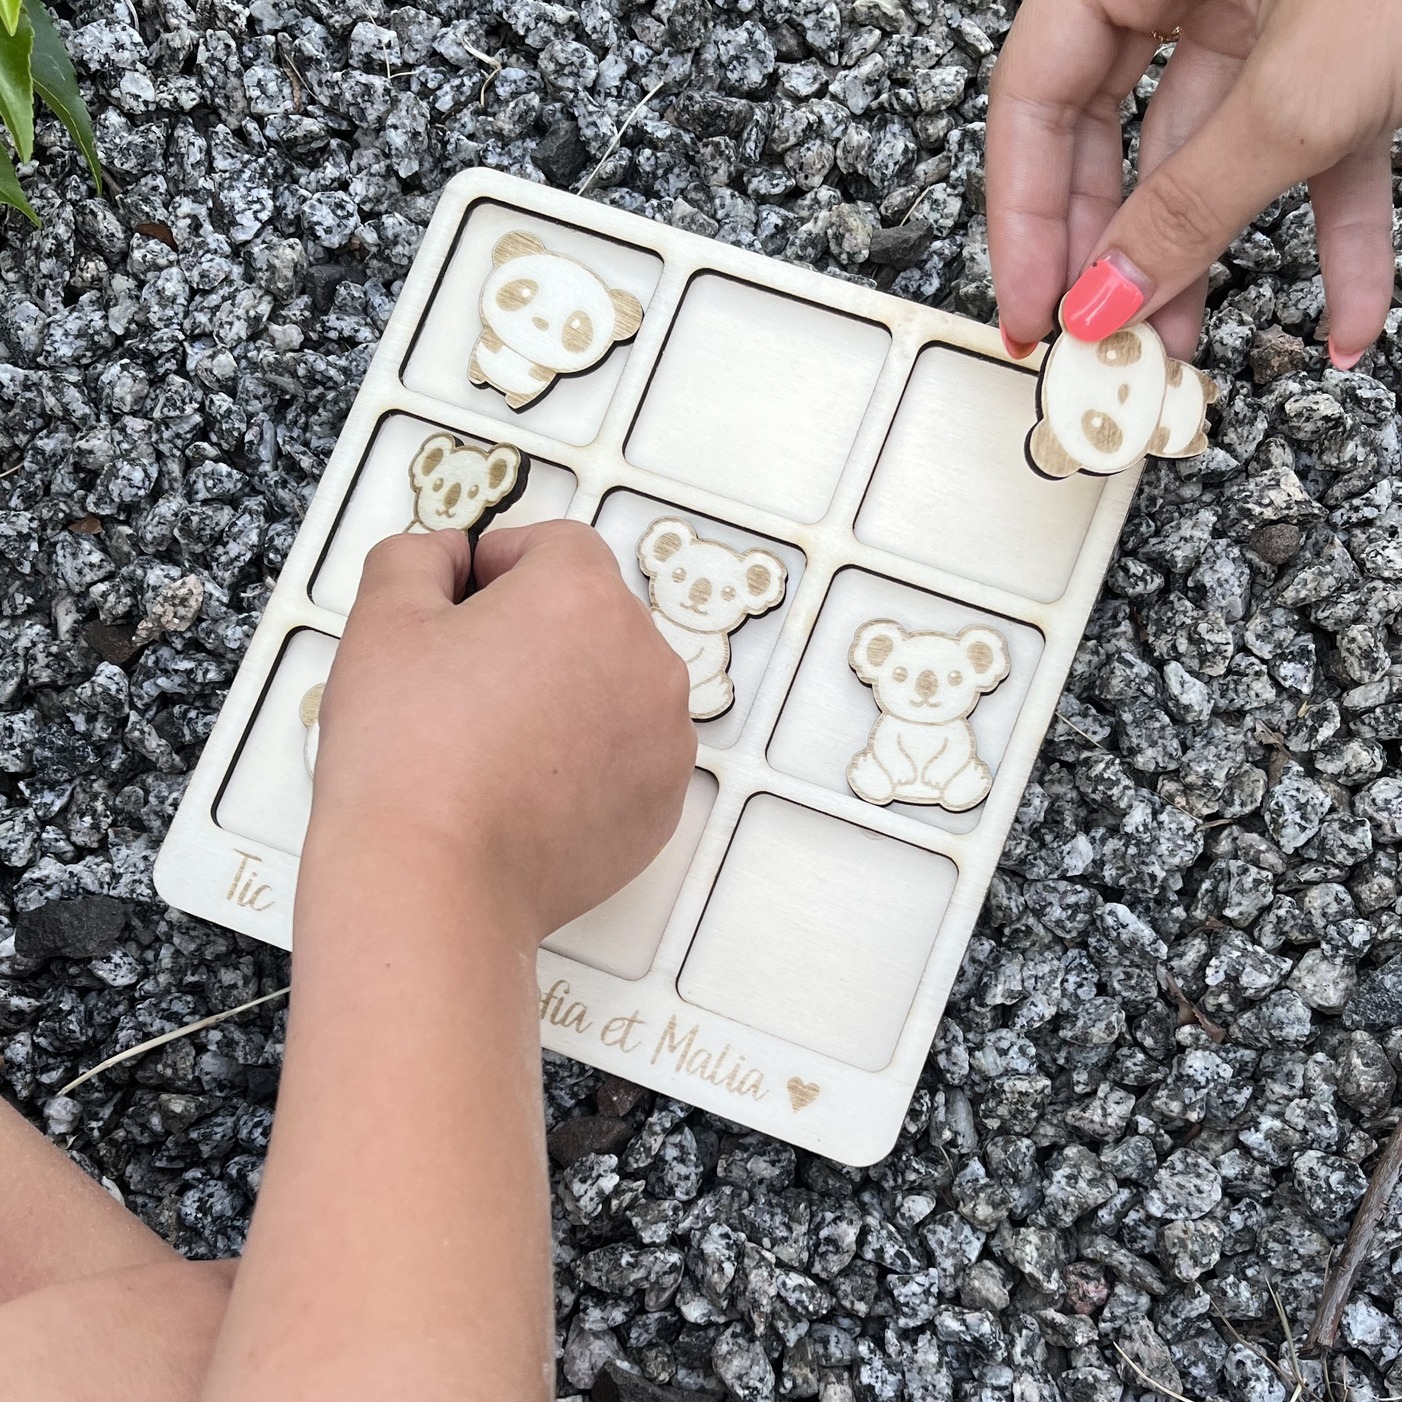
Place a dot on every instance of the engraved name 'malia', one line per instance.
(248, 889)
(681, 1046)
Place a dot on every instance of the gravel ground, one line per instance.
(1171, 1057)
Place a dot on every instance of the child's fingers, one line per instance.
(550, 542)
(419, 569)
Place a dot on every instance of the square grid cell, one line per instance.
(951, 487)
(785, 958)
(758, 397)
(570, 410)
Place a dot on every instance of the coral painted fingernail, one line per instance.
(1104, 298)
(1342, 361)
(1019, 350)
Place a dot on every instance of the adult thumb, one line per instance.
(1179, 220)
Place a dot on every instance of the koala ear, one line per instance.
(516, 244)
(661, 541)
(1046, 454)
(627, 314)
(765, 578)
(986, 652)
(503, 463)
(872, 647)
(430, 455)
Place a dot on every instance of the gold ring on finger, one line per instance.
(1172, 37)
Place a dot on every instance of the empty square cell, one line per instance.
(624, 519)
(952, 487)
(829, 712)
(573, 303)
(267, 796)
(818, 931)
(382, 502)
(758, 396)
(621, 936)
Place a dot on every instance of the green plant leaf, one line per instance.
(57, 83)
(16, 88)
(9, 15)
(10, 192)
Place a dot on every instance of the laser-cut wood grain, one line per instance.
(1103, 406)
(821, 955)
(701, 592)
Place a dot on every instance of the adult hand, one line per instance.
(1258, 96)
(536, 734)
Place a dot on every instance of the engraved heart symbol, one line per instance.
(802, 1093)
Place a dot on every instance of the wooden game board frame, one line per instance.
(812, 1100)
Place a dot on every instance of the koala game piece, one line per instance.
(544, 315)
(1103, 406)
(309, 709)
(922, 748)
(701, 592)
(459, 487)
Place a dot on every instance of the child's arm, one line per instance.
(487, 771)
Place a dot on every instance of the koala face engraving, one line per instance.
(552, 310)
(455, 484)
(928, 678)
(705, 586)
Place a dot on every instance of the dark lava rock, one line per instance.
(587, 1134)
(617, 1097)
(113, 642)
(904, 246)
(325, 278)
(560, 153)
(615, 1385)
(1276, 544)
(1275, 353)
(78, 929)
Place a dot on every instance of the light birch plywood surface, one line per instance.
(785, 960)
(268, 797)
(798, 894)
(952, 487)
(758, 397)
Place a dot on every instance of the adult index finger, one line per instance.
(1192, 205)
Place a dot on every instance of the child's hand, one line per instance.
(1259, 94)
(534, 739)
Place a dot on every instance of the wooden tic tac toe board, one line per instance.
(785, 961)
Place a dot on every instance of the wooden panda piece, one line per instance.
(544, 315)
(1103, 406)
